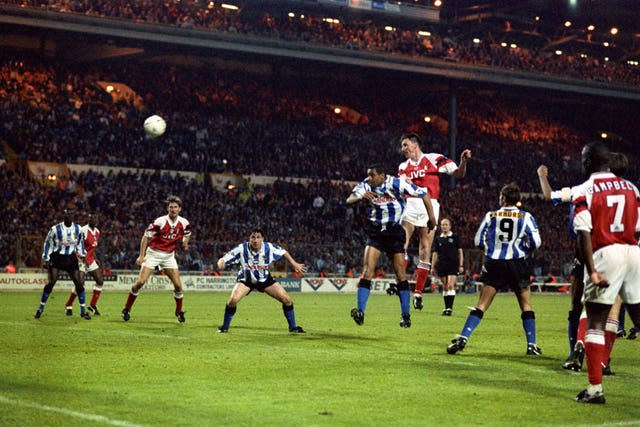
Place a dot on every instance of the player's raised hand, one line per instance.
(543, 171)
(466, 155)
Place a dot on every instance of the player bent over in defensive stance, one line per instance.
(507, 236)
(254, 257)
(157, 249)
(386, 199)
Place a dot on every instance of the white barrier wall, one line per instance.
(123, 282)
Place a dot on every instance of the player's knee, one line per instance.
(286, 300)
(49, 287)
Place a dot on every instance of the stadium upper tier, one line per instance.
(496, 43)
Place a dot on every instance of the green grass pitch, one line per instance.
(66, 371)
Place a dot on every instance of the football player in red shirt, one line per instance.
(157, 249)
(607, 224)
(89, 265)
(424, 171)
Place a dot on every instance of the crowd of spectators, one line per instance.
(57, 113)
(479, 44)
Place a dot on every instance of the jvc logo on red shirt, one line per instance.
(418, 173)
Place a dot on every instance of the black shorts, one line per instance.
(68, 263)
(388, 239)
(506, 274)
(260, 286)
(446, 269)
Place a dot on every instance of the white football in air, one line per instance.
(154, 126)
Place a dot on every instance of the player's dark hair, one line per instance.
(511, 193)
(174, 199)
(595, 157)
(376, 167)
(414, 137)
(256, 230)
(618, 163)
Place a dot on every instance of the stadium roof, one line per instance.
(561, 21)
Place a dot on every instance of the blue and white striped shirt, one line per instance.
(253, 265)
(64, 240)
(508, 233)
(387, 208)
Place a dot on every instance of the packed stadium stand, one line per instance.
(235, 123)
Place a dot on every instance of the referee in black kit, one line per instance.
(447, 261)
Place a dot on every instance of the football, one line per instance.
(154, 126)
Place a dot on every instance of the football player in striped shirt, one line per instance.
(254, 257)
(62, 247)
(386, 198)
(507, 235)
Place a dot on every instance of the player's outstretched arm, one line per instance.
(300, 268)
(353, 197)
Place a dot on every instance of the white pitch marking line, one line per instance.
(91, 417)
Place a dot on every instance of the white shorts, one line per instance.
(84, 268)
(153, 259)
(621, 266)
(415, 213)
